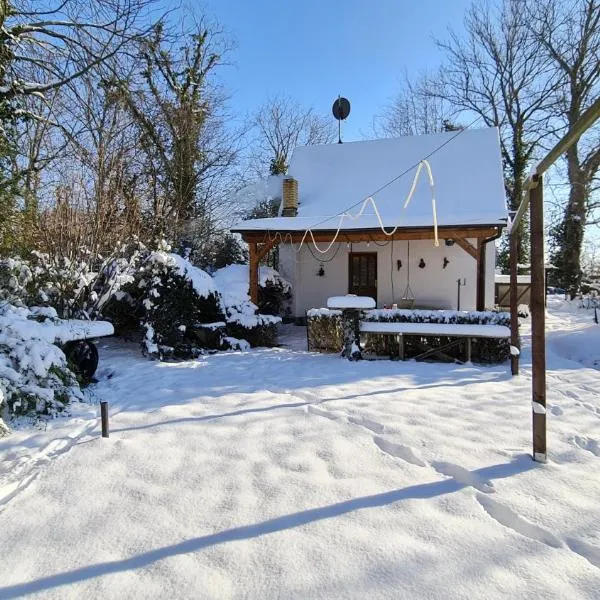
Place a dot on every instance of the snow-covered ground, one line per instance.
(282, 474)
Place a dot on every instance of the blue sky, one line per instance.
(314, 50)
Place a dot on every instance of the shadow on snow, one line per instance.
(422, 491)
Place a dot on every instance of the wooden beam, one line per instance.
(263, 250)
(587, 119)
(480, 293)
(253, 266)
(538, 321)
(368, 235)
(514, 303)
(466, 246)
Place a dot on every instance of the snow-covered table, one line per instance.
(351, 305)
(61, 331)
(453, 330)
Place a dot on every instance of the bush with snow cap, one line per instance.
(242, 315)
(34, 374)
(176, 297)
(41, 280)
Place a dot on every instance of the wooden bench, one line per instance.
(452, 330)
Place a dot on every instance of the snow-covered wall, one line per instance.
(432, 286)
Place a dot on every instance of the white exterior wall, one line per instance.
(432, 286)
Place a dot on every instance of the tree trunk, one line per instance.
(573, 227)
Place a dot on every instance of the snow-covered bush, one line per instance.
(41, 280)
(34, 375)
(241, 313)
(177, 298)
(257, 330)
(154, 293)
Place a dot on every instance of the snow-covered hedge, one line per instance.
(437, 316)
(34, 375)
(325, 332)
(324, 329)
(155, 292)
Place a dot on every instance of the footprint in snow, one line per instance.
(589, 552)
(313, 410)
(556, 410)
(507, 517)
(464, 476)
(591, 408)
(588, 444)
(373, 426)
(405, 453)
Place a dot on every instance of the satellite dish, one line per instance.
(340, 110)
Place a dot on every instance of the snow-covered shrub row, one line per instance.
(438, 316)
(34, 375)
(183, 310)
(156, 292)
(324, 330)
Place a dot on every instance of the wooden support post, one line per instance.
(514, 304)
(468, 349)
(538, 319)
(104, 418)
(351, 330)
(401, 347)
(253, 265)
(480, 297)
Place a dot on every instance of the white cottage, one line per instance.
(332, 242)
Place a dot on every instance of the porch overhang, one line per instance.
(262, 236)
(260, 241)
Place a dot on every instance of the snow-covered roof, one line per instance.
(332, 178)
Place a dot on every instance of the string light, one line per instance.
(371, 201)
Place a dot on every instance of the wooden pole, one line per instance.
(514, 303)
(480, 297)
(538, 319)
(253, 266)
(104, 418)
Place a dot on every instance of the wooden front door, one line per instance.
(362, 274)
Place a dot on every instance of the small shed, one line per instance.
(502, 295)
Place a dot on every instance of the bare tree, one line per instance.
(498, 71)
(281, 125)
(46, 47)
(569, 35)
(415, 110)
(62, 40)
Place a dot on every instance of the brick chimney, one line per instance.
(290, 197)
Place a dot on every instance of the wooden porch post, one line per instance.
(253, 265)
(480, 297)
(514, 302)
(538, 319)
